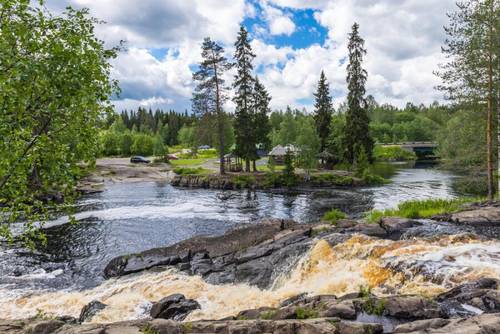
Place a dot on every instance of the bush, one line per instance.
(392, 153)
(274, 180)
(331, 179)
(244, 181)
(143, 144)
(190, 171)
(306, 313)
(374, 180)
(333, 216)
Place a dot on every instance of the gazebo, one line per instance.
(326, 158)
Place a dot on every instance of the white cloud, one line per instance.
(279, 23)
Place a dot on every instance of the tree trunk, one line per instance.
(254, 166)
(490, 117)
(247, 165)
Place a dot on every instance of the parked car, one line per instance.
(172, 157)
(139, 160)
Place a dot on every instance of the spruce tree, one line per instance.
(210, 92)
(262, 125)
(357, 130)
(243, 84)
(323, 111)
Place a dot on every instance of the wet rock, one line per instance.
(294, 300)
(472, 298)
(342, 309)
(411, 307)
(395, 227)
(90, 310)
(481, 324)
(235, 240)
(262, 312)
(175, 307)
(348, 327)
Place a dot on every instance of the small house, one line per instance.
(279, 152)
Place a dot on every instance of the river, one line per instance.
(132, 217)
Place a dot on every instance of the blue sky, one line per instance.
(294, 41)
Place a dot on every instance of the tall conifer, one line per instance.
(357, 132)
(323, 111)
(243, 85)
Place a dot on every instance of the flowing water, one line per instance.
(128, 218)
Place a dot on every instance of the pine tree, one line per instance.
(323, 111)
(472, 74)
(243, 85)
(262, 125)
(210, 92)
(357, 130)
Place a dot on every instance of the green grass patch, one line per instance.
(423, 208)
(333, 216)
(392, 153)
(187, 162)
(275, 180)
(268, 315)
(374, 180)
(191, 171)
(306, 313)
(265, 168)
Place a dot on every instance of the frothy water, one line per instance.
(360, 261)
(133, 217)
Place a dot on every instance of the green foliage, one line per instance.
(333, 216)
(306, 313)
(54, 91)
(190, 171)
(392, 153)
(149, 329)
(309, 144)
(187, 136)
(271, 164)
(423, 208)
(356, 133)
(361, 162)
(143, 144)
(373, 180)
(244, 181)
(331, 179)
(187, 162)
(323, 110)
(289, 170)
(268, 315)
(275, 180)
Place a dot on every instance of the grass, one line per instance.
(148, 329)
(268, 315)
(333, 216)
(306, 313)
(191, 171)
(244, 181)
(265, 168)
(187, 162)
(392, 153)
(328, 178)
(422, 208)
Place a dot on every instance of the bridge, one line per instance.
(422, 149)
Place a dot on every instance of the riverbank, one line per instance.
(397, 276)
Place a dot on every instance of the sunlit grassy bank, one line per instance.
(423, 208)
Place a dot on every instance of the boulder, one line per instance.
(489, 215)
(481, 324)
(175, 307)
(90, 310)
(410, 308)
(421, 325)
(44, 327)
(395, 226)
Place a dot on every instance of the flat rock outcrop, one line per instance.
(175, 307)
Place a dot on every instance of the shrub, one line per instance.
(306, 313)
(392, 153)
(331, 179)
(244, 181)
(143, 144)
(374, 180)
(189, 171)
(333, 216)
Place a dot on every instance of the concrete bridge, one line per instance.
(423, 150)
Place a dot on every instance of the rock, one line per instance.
(410, 307)
(344, 309)
(489, 215)
(255, 313)
(395, 227)
(238, 239)
(45, 327)
(481, 324)
(90, 310)
(472, 298)
(175, 307)
(421, 325)
(349, 327)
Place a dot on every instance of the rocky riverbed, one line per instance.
(277, 276)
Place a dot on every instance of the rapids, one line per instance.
(425, 267)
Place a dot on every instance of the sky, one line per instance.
(294, 41)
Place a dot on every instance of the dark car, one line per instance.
(139, 160)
